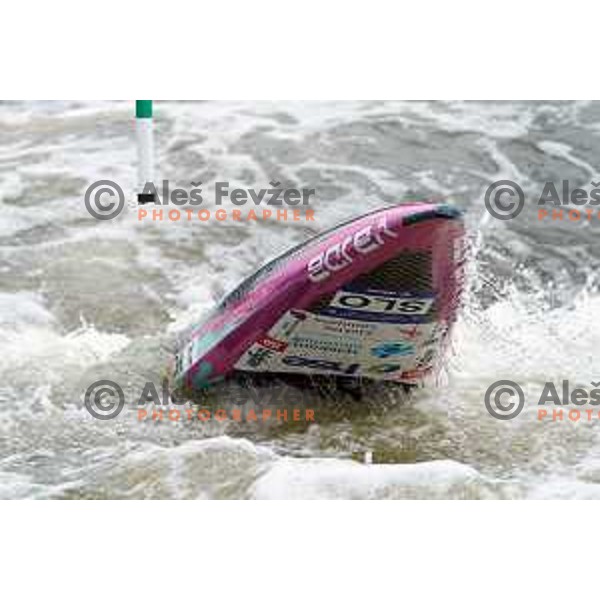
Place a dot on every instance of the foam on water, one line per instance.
(31, 345)
(334, 478)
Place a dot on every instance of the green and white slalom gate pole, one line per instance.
(145, 144)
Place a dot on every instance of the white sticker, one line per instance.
(304, 342)
(382, 304)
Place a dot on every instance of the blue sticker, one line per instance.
(387, 349)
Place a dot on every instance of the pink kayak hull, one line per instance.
(298, 280)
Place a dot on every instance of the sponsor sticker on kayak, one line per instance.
(314, 343)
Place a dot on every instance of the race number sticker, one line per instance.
(382, 304)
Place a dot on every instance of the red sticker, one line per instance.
(272, 343)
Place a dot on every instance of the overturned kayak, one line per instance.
(372, 298)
